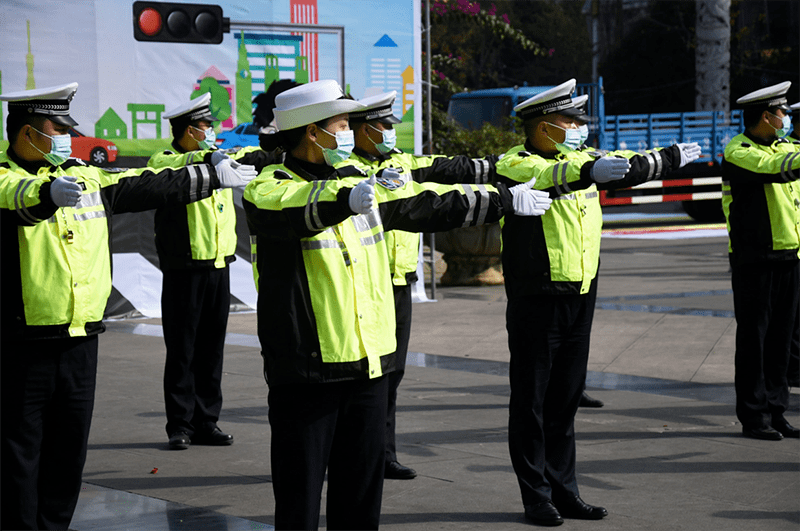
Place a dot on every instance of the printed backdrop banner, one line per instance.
(125, 87)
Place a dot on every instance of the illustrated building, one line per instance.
(244, 85)
(408, 89)
(270, 57)
(305, 12)
(110, 125)
(384, 70)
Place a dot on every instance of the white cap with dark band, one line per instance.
(52, 102)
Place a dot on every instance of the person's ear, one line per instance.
(311, 132)
(26, 132)
(542, 128)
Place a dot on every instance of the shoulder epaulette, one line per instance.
(524, 154)
(280, 174)
(350, 171)
(745, 144)
(72, 162)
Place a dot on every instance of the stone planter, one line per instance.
(472, 255)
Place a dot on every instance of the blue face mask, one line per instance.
(345, 142)
(389, 139)
(210, 139)
(572, 139)
(60, 148)
(584, 130)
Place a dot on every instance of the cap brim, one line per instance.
(62, 119)
(572, 112)
(391, 119)
(309, 114)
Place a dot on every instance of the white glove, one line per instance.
(65, 191)
(690, 152)
(232, 174)
(607, 169)
(529, 202)
(362, 196)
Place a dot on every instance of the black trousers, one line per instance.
(48, 391)
(338, 427)
(402, 308)
(793, 373)
(548, 336)
(194, 307)
(765, 301)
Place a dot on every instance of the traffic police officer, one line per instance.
(762, 208)
(582, 121)
(550, 266)
(325, 314)
(375, 139)
(794, 354)
(195, 244)
(56, 279)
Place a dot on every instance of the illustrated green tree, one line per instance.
(220, 105)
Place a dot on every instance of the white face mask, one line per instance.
(572, 139)
(389, 139)
(786, 126)
(345, 142)
(209, 141)
(60, 148)
(584, 130)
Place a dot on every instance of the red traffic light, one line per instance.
(149, 21)
(173, 22)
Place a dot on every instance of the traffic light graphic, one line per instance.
(172, 22)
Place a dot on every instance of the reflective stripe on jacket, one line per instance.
(326, 305)
(60, 284)
(760, 199)
(559, 252)
(403, 247)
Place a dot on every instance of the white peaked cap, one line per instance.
(197, 109)
(377, 107)
(772, 96)
(311, 103)
(557, 100)
(52, 102)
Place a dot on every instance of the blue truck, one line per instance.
(698, 186)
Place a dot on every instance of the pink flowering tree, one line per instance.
(469, 41)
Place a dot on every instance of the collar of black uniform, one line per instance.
(529, 147)
(758, 140)
(370, 157)
(33, 166)
(309, 170)
(177, 147)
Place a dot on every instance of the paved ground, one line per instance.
(665, 453)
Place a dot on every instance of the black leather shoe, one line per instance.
(213, 438)
(765, 434)
(785, 429)
(544, 513)
(580, 510)
(179, 441)
(588, 401)
(395, 470)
